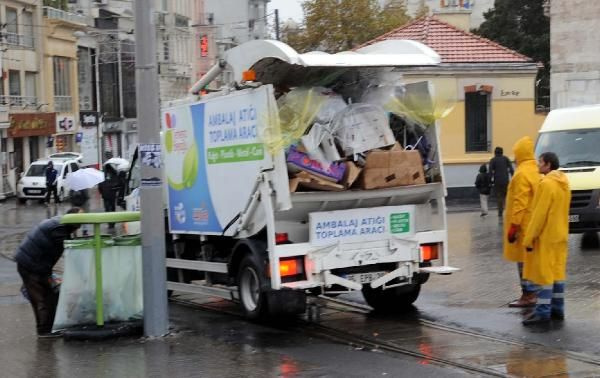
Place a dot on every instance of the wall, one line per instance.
(512, 116)
(575, 57)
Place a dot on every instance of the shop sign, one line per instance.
(65, 124)
(89, 119)
(31, 124)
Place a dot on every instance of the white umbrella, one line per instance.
(118, 164)
(85, 178)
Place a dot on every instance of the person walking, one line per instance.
(108, 190)
(500, 170)
(36, 256)
(519, 200)
(51, 178)
(484, 186)
(546, 240)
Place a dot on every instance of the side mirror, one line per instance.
(21, 174)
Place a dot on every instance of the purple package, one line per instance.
(299, 161)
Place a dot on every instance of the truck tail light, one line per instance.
(429, 252)
(291, 266)
(282, 238)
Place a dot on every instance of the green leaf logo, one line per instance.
(190, 170)
(190, 166)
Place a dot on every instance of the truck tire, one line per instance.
(397, 299)
(251, 287)
(22, 201)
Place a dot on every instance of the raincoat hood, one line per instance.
(560, 178)
(523, 150)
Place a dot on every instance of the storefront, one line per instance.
(112, 145)
(23, 142)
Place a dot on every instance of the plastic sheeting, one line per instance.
(297, 111)
(121, 276)
(417, 102)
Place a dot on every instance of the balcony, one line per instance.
(19, 102)
(63, 104)
(60, 15)
(14, 39)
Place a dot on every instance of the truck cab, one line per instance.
(574, 135)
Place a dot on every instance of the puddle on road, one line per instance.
(437, 343)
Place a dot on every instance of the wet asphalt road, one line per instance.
(474, 300)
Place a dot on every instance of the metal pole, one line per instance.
(156, 320)
(99, 126)
(277, 24)
(120, 76)
(98, 266)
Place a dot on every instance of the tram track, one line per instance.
(531, 357)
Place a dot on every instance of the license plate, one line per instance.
(34, 191)
(574, 218)
(364, 278)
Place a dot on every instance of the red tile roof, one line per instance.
(452, 44)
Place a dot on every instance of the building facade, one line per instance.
(574, 54)
(222, 25)
(107, 57)
(25, 120)
(492, 89)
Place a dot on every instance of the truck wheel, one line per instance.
(22, 201)
(391, 300)
(250, 281)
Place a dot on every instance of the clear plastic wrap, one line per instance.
(121, 276)
(287, 122)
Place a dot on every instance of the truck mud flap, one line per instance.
(286, 302)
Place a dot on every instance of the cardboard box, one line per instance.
(387, 169)
(310, 181)
(352, 173)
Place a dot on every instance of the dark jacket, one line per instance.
(43, 246)
(500, 169)
(483, 183)
(109, 188)
(51, 175)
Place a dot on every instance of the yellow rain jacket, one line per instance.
(548, 231)
(519, 197)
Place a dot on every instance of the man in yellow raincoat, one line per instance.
(546, 241)
(519, 198)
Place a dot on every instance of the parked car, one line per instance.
(32, 184)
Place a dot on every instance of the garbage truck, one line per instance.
(286, 179)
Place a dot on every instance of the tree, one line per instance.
(522, 26)
(393, 15)
(422, 10)
(338, 25)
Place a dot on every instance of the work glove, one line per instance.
(529, 249)
(513, 233)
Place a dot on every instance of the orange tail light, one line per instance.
(429, 252)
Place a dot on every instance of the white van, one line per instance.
(574, 135)
(32, 184)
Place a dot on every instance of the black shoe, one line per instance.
(49, 335)
(535, 319)
(555, 315)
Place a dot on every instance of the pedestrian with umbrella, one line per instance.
(109, 189)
